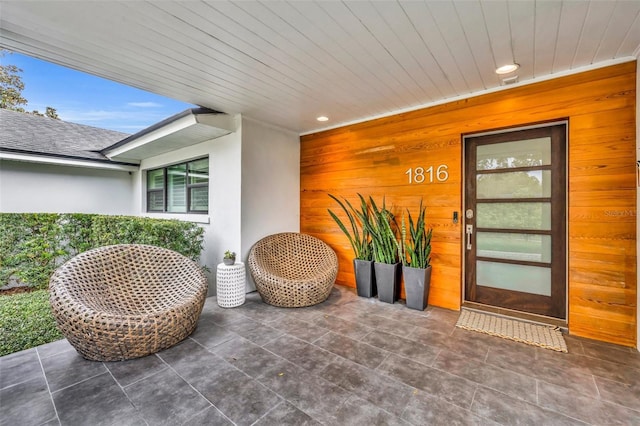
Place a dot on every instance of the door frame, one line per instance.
(497, 131)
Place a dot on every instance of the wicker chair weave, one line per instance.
(292, 269)
(127, 301)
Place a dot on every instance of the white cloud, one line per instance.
(80, 116)
(118, 119)
(144, 104)
(95, 115)
(131, 128)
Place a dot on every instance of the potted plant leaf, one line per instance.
(360, 241)
(382, 227)
(416, 261)
(229, 257)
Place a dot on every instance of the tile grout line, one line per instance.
(540, 394)
(474, 382)
(44, 375)
(126, 395)
(319, 376)
(473, 398)
(283, 401)
(440, 350)
(170, 367)
(595, 383)
(81, 381)
(486, 356)
(214, 354)
(268, 342)
(21, 382)
(281, 396)
(382, 362)
(414, 394)
(188, 421)
(313, 342)
(137, 381)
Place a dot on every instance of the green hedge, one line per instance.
(26, 321)
(33, 245)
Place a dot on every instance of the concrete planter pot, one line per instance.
(365, 278)
(416, 286)
(388, 281)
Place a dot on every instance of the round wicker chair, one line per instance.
(292, 269)
(127, 301)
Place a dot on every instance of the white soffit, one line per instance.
(184, 131)
(288, 62)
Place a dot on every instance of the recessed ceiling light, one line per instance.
(506, 69)
(322, 118)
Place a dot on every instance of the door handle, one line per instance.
(469, 232)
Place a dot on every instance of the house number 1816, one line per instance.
(422, 175)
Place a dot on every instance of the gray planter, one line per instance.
(388, 281)
(365, 278)
(416, 286)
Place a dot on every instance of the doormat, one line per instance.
(547, 337)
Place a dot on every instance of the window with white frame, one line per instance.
(179, 188)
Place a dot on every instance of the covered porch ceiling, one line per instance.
(286, 63)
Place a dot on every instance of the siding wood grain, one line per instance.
(371, 158)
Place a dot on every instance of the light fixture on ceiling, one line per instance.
(510, 80)
(506, 69)
(322, 118)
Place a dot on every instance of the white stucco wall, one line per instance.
(222, 224)
(44, 188)
(270, 183)
(254, 189)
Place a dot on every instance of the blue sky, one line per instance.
(86, 99)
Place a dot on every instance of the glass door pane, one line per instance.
(521, 153)
(525, 184)
(535, 216)
(521, 278)
(515, 224)
(525, 247)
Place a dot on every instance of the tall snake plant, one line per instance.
(359, 237)
(418, 244)
(382, 226)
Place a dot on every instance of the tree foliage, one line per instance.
(11, 87)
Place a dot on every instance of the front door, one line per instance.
(515, 232)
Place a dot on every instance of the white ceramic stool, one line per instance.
(230, 284)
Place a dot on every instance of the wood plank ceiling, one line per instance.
(288, 62)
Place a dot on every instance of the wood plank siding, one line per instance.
(371, 158)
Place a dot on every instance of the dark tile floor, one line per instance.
(348, 361)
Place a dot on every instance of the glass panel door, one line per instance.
(515, 220)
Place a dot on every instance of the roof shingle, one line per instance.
(32, 134)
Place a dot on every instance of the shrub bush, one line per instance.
(11, 233)
(26, 321)
(33, 245)
(183, 237)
